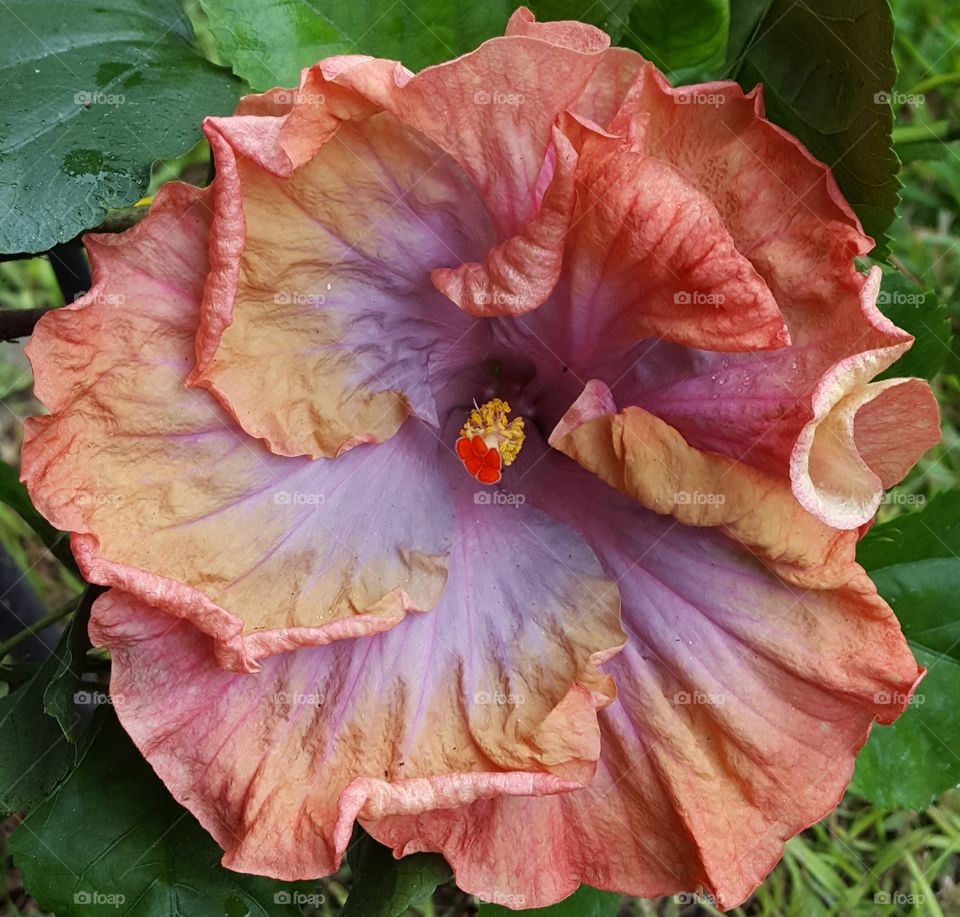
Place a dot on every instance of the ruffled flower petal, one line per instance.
(494, 109)
(753, 407)
(520, 274)
(169, 499)
(646, 459)
(743, 702)
(328, 221)
(672, 246)
(607, 88)
(796, 414)
(786, 215)
(703, 232)
(494, 693)
(497, 112)
(864, 438)
(649, 257)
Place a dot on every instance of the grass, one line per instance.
(860, 860)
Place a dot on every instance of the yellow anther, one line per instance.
(489, 422)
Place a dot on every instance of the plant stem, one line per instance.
(13, 642)
(18, 323)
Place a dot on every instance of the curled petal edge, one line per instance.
(645, 458)
(839, 476)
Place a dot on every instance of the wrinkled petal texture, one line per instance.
(672, 242)
(328, 292)
(646, 459)
(743, 702)
(170, 500)
(495, 692)
(734, 226)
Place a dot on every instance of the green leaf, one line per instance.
(268, 42)
(111, 841)
(15, 495)
(745, 19)
(680, 36)
(914, 561)
(387, 887)
(933, 532)
(828, 72)
(35, 754)
(90, 98)
(612, 15)
(584, 902)
(920, 312)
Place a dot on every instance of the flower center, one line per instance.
(488, 441)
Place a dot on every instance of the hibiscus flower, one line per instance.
(482, 457)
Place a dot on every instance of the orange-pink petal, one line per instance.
(320, 271)
(647, 460)
(743, 701)
(496, 692)
(168, 498)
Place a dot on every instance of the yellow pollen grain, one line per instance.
(490, 420)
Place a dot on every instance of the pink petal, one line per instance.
(496, 112)
(781, 237)
(519, 275)
(786, 214)
(494, 693)
(649, 257)
(170, 500)
(569, 33)
(493, 110)
(775, 197)
(608, 86)
(321, 272)
(743, 702)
